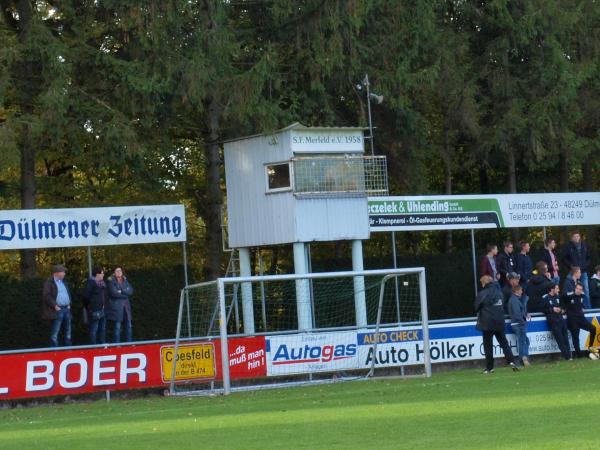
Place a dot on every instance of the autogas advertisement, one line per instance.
(396, 346)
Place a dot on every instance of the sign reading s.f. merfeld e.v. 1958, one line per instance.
(45, 228)
(483, 211)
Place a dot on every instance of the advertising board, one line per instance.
(46, 228)
(133, 366)
(446, 212)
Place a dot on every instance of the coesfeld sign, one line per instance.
(133, 366)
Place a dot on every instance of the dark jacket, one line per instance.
(574, 305)
(577, 257)
(568, 288)
(49, 293)
(489, 306)
(118, 299)
(506, 264)
(524, 267)
(517, 308)
(538, 286)
(549, 304)
(594, 286)
(548, 260)
(94, 296)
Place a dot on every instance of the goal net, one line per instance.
(284, 329)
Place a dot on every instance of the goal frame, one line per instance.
(388, 274)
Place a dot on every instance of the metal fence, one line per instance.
(340, 175)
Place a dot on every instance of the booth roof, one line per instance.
(296, 126)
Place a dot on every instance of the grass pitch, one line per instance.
(546, 406)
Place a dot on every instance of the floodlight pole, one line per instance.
(366, 83)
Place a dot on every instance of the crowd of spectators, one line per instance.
(512, 284)
(105, 303)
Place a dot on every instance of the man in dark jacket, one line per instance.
(539, 285)
(554, 311)
(506, 262)
(94, 296)
(56, 305)
(577, 254)
(524, 264)
(489, 305)
(594, 285)
(576, 321)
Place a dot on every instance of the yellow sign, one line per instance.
(596, 342)
(194, 361)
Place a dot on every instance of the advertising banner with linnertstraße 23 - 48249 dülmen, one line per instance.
(483, 211)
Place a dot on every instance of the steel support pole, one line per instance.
(474, 259)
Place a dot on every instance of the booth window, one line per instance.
(278, 177)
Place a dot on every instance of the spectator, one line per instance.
(550, 259)
(513, 280)
(488, 264)
(57, 305)
(539, 285)
(594, 286)
(119, 307)
(506, 262)
(577, 254)
(489, 306)
(517, 310)
(576, 320)
(524, 263)
(94, 296)
(554, 316)
(571, 280)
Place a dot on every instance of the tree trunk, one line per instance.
(28, 190)
(512, 186)
(26, 73)
(563, 167)
(588, 186)
(214, 195)
(448, 182)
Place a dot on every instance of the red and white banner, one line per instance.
(133, 366)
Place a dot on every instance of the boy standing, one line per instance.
(517, 310)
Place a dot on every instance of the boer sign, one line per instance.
(483, 211)
(44, 228)
(133, 366)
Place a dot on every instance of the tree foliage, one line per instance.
(123, 102)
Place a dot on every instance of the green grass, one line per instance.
(546, 406)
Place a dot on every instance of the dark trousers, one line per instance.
(560, 333)
(577, 323)
(488, 347)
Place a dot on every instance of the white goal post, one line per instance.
(304, 329)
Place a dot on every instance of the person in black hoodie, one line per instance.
(489, 305)
(539, 284)
(576, 320)
(94, 296)
(506, 262)
(554, 316)
(576, 253)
